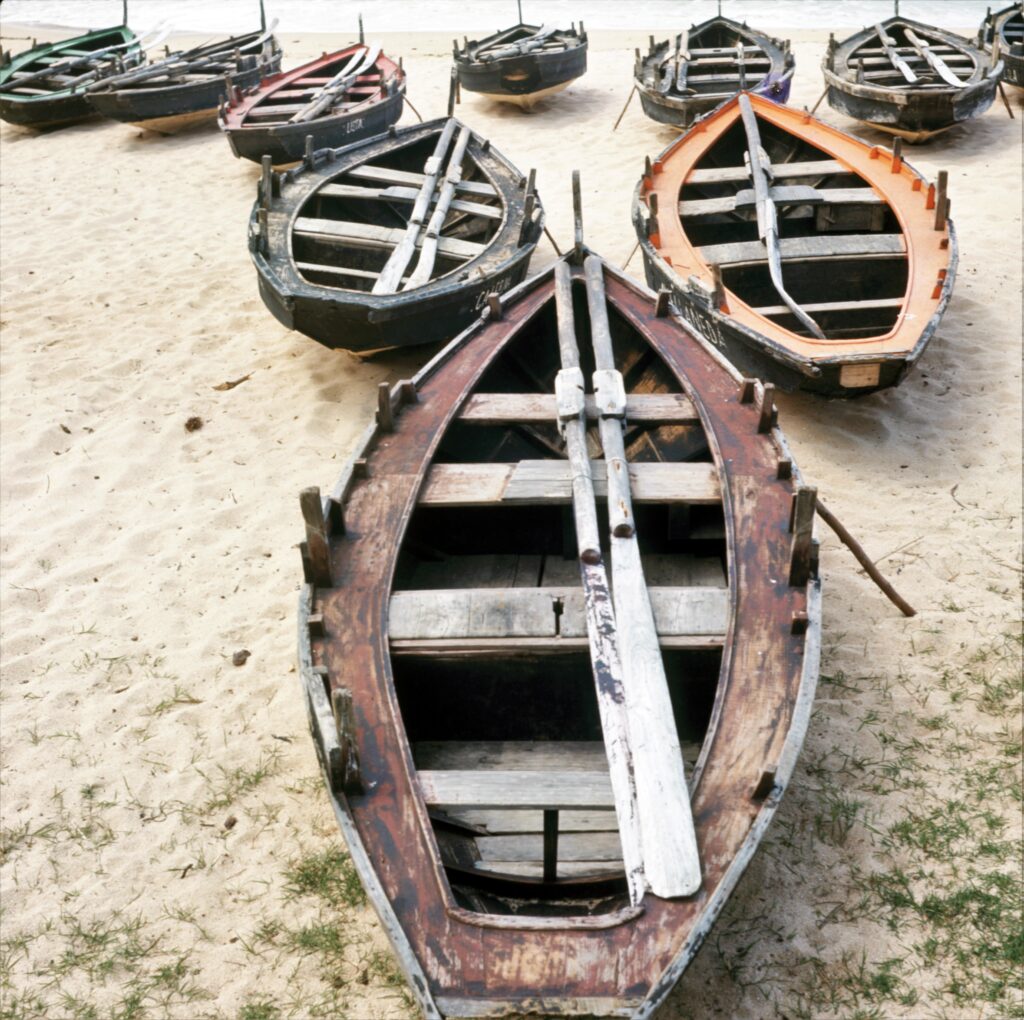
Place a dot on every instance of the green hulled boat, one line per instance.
(44, 86)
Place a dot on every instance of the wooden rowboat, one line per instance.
(681, 79)
(522, 64)
(187, 87)
(825, 264)
(503, 739)
(339, 98)
(1002, 35)
(44, 86)
(909, 79)
(392, 241)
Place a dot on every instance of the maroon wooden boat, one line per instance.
(504, 739)
(339, 98)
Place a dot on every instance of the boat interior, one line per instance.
(933, 59)
(280, 105)
(60, 54)
(517, 35)
(489, 633)
(214, 60)
(715, 59)
(369, 228)
(838, 238)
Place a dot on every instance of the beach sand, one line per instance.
(168, 849)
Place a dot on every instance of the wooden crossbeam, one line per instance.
(781, 196)
(542, 612)
(386, 175)
(834, 306)
(506, 408)
(367, 235)
(550, 481)
(803, 249)
(397, 193)
(520, 789)
(782, 171)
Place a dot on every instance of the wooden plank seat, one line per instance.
(537, 790)
(525, 780)
(782, 171)
(368, 235)
(549, 481)
(455, 613)
(753, 76)
(833, 306)
(397, 193)
(386, 175)
(346, 271)
(802, 249)
(536, 408)
(782, 196)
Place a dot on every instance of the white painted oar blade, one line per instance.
(669, 843)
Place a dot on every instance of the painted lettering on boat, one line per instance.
(495, 288)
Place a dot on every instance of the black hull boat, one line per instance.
(522, 64)
(394, 241)
(680, 80)
(187, 87)
(909, 79)
(1002, 35)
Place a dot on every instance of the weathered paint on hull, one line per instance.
(520, 76)
(682, 113)
(287, 143)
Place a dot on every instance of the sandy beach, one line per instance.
(167, 845)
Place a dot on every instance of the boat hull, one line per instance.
(926, 113)
(358, 320)
(287, 143)
(60, 111)
(523, 76)
(359, 323)
(177, 106)
(470, 963)
(683, 113)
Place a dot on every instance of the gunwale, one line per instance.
(930, 253)
(236, 116)
(478, 970)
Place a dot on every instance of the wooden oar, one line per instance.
(515, 49)
(667, 838)
(71, 63)
(338, 85)
(889, 45)
(394, 268)
(600, 615)
(428, 251)
(938, 65)
(767, 220)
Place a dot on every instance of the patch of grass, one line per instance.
(328, 874)
(234, 783)
(260, 1008)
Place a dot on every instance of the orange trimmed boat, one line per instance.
(813, 260)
